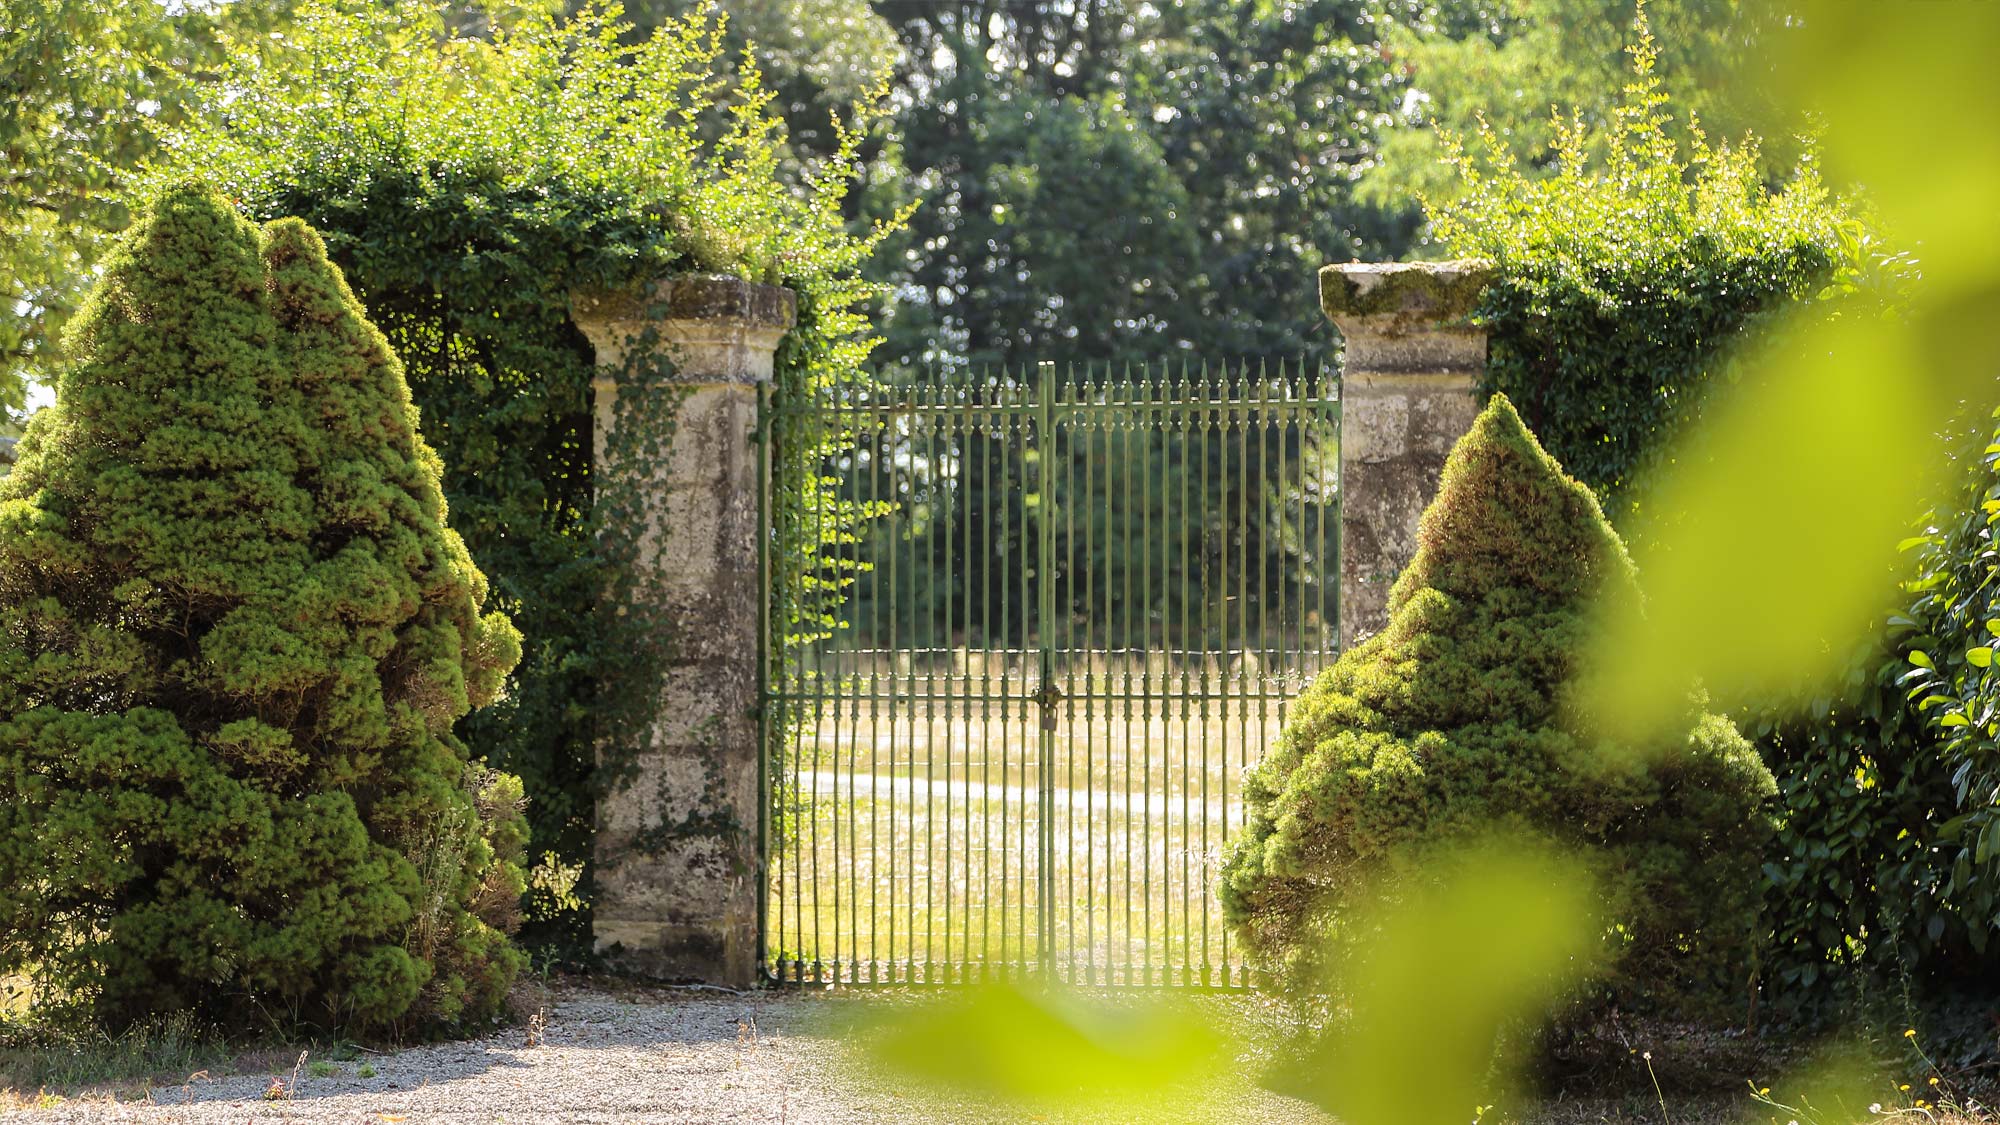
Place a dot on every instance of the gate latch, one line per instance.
(1047, 696)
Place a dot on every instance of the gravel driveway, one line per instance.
(665, 1056)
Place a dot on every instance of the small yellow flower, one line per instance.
(1934, 1081)
(1910, 1034)
(1905, 1087)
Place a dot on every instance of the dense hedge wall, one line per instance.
(468, 188)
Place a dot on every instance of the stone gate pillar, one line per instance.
(1408, 392)
(676, 850)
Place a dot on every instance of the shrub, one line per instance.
(1451, 723)
(235, 634)
(467, 186)
(1624, 273)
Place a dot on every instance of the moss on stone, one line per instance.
(1441, 291)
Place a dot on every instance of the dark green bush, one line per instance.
(1452, 722)
(235, 635)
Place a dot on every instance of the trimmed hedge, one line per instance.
(235, 636)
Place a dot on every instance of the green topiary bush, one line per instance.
(1452, 722)
(235, 634)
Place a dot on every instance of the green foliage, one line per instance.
(468, 187)
(86, 87)
(1454, 721)
(1625, 273)
(1949, 633)
(1854, 877)
(1503, 63)
(235, 636)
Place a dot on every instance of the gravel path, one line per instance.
(664, 1056)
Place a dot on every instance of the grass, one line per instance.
(917, 835)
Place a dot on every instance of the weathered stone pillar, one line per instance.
(677, 856)
(1408, 390)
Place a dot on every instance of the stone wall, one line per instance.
(1408, 393)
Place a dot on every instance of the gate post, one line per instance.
(1409, 391)
(677, 856)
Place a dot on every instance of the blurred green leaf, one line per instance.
(1472, 954)
(1026, 1043)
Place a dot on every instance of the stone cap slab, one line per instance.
(693, 296)
(1403, 296)
(715, 328)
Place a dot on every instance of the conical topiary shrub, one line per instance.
(1455, 721)
(235, 633)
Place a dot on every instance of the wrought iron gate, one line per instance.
(1070, 619)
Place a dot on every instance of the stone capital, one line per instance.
(712, 328)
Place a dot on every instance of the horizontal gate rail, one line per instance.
(1066, 614)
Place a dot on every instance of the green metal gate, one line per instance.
(1070, 619)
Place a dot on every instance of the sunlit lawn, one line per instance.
(915, 855)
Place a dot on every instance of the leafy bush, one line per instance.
(1452, 722)
(1949, 634)
(1625, 271)
(468, 187)
(235, 635)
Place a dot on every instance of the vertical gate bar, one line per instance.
(966, 443)
(884, 700)
(1094, 621)
(1261, 412)
(1143, 422)
(1224, 419)
(936, 499)
(1321, 559)
(1045, 612)
(1009, 463)
(1128, 397)
(1183, 397)
(955, 447)
(1030, 728)
(1203, 427)
(986, 554)
(1067, 425)
(805, 813)
(1339, 391)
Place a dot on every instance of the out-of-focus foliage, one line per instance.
(86, 88)
(1625, 272)
(1454, 970)
(1955, 619)
(1458, 966)
(1452, 722)
(1830, 442)
(1503, 65)
(468, 187)
(1037, 1043)
(235, 637)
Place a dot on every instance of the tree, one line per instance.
(86, 87)
(235, 633)
(1455, 721)
(1507, 64)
